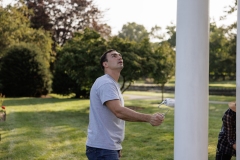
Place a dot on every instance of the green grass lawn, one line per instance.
(171, 83)
(56, 128)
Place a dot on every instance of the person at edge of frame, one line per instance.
(226, 147)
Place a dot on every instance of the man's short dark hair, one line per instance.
(104, 57)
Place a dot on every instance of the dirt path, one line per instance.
(132, 97)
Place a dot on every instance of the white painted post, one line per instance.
(238, 83)
(192, 71)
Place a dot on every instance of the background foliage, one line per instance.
(78, 63)
(25, 72)
(71, 37)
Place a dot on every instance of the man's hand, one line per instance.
(120, 153)
(156, 119)
(234, 146)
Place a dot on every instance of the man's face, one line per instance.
(114, 60)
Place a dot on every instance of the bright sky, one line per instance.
(152, 12)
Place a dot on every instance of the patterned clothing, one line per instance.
(227, 135)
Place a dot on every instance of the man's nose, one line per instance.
(119, 56)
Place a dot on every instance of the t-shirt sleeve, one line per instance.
(108, 92)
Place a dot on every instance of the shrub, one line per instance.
(24, 72)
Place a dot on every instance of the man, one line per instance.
(107, 112)
(226, 147)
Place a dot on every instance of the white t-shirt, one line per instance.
(105, 130)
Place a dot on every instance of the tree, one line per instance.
(154, 33)
(231, 62)
(222, 53)
(165, 60)
(15, 28)
(12, 22)
(25, 72)
(78, 63)
(132, 65)
(133, 32)
(171, 30)
(62, 18)
(137, 57)
(230, 9)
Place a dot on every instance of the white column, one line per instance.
(192, 70)
(238, 83)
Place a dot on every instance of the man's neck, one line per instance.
(114, 75)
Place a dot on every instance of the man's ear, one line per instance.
(104, 64)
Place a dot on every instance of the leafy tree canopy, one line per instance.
(15, 29)
(133, 32)
(165, 61)
(78, 61)
(63, 18)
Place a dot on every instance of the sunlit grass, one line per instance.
(48, 129)
(223, 84)
(156, 95)
(222, 98)
(56, 128)
(215, 84)
(146, 93)
(219, 85)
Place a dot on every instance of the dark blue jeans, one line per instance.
(101, 154)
